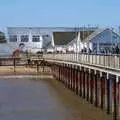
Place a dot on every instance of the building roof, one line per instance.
(97, 32)
(57, 28)
(64, 38)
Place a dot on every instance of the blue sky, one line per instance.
(59, 13)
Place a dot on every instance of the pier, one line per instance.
(95, 78)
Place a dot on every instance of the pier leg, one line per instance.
(91, 87)
(59, 72)
(68, 76)
(108, 95)
(96, 88)
(102, 91)
(115, 98)
(84, 80)
(80, 80)
(103, 79)
(71, 78)
(87, 81)
(77, 80)
(119, 97)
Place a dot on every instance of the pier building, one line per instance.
(35, 39)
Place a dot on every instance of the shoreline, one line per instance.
(21, 70)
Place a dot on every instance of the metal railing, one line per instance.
(109, 61)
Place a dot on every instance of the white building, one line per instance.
(33, 39)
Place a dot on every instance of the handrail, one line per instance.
(112, 61)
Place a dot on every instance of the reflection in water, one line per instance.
(25, 99)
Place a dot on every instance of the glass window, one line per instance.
(24, 38)
(13, 38)
(36, 38)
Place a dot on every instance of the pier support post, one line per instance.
(119, 97)
(84, 81)
(102, 85)
(71, 77)
(59, 72)
(115, 98)
(77, 80)
(103, 79)
(65, 75)
(67, 70)
(80, 81)
(91, 86)
(108, 94)
(87, 81)
(96, 88)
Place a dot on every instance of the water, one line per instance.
(34, 99)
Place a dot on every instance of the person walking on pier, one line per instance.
(117, 50)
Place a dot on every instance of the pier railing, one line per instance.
(108, 61)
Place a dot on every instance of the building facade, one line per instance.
(103, 41)
(30, 39)
(35, 39)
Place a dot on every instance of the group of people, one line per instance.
(116, 50)
(113, 50)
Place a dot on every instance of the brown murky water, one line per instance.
(33, 99)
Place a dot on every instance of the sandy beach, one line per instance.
(21, 70)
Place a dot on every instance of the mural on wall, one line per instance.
(22, 47)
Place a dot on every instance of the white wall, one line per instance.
(30, 46)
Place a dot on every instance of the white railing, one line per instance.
(111, 61)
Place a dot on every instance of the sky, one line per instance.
(59, 13)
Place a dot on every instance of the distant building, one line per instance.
(67, 41)
(35, 39)
(28, 39)
(102, 41)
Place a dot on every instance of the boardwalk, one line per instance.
(95, 79)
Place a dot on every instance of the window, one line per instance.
(24, 38)
(36, 38)
(13, 38)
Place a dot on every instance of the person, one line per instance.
(117, 50)
(28, 62)
(89, 51)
